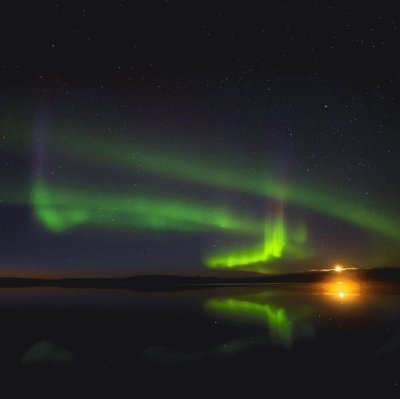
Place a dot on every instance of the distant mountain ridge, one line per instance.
(165, 281)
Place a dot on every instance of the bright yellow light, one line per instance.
(342, 289)
(338, 268)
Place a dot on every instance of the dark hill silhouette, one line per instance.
(164, 282)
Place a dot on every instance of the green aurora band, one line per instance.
(60, 208)
(351, 209)
(278, 241)
(274, 243)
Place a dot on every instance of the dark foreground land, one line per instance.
(163, 336)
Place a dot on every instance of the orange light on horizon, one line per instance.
(338, 268)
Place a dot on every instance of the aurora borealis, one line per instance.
(62, 208)
(199, 197)
(197, 151)
(340, 205)
(154, 191)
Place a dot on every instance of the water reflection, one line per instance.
(276, 318)
(288, 314)
(342, 289)
(282, 323)
(204, 325)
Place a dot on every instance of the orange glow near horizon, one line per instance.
(338, 268)
(343, 290)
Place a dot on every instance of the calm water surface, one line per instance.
(304, 337)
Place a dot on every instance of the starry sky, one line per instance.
(195, 138)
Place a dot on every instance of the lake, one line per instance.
(277, 337)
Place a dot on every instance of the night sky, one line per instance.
(198, 138)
